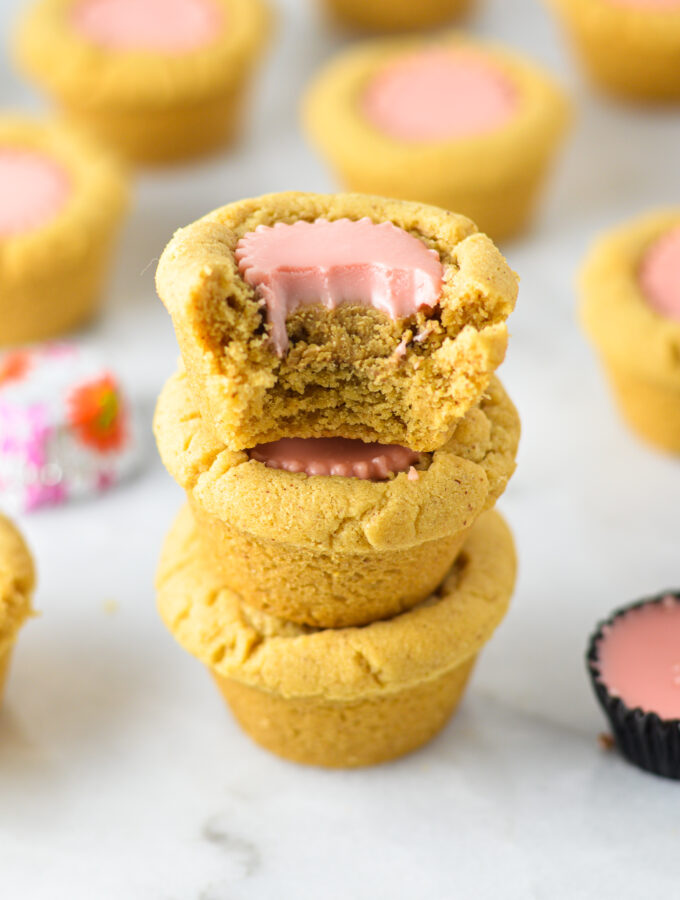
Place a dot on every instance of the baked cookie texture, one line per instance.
(151, 106)
(639, 348)
(51, 276)
(339, 697)
(495, 178)
(630, 52)
(17, 581)
(396, 15)
(352, 371)
(330, 551)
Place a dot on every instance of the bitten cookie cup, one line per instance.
(331, 551)
(159, 80)
(339, 697)
(639, 346)
(396, 15)
(505, 121)
(353, 371)
(628, 47)
(63, 202)
(17, 581)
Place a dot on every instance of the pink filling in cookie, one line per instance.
(33, 190)
(336, 456)
(639, 658)
(440, 94)
(331, 263)
(660, 275)
(161, 25)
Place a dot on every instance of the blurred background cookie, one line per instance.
(456, 122)
(627, 47)
(62, 201)
(630, 287)
(396, 15)
(17, 581)
(158, 80)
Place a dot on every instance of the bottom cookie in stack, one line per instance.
(17, 580)
(340, 697)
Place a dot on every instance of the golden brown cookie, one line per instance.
(631, 52)
(396, 15)
(331, 551)
(353, 371)
(154, 99)
(339, 697)
(17, 580)
(639, 346)
(493, 175)
(52, 270)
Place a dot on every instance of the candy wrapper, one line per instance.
(66, 429)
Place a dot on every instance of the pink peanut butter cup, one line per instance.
(173, 26)
(341, 262)
(639, 658)
(440, 94)
(660, 275)
(336, 456)
(33, 190)
(634, 665)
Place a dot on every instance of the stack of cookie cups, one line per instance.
(339, 601)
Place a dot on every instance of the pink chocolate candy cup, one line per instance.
(33, 190)
(660, 275)
(438, 95)
(336, 456)
(331, 263)
(634, 664)
(170, 26)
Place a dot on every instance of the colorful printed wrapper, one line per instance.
(66, 429)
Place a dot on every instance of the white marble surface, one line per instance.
(122, 775)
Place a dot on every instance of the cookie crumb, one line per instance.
(110, 607)
(606, 741)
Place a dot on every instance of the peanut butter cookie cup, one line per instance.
(396, 15)
(459, 123)
(159, 80)
(631, 310)
(17, 580)
(334, 551)
(339, 697)
(62, 201)
(628, 47)
(307, 315)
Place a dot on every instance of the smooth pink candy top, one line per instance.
(338, 262)
(652, 5)
(160, 25)
(336, 456)
(660, 275)
(33, 190)
(639, 658)
(440, 94)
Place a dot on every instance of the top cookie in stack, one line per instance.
(305, 315)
